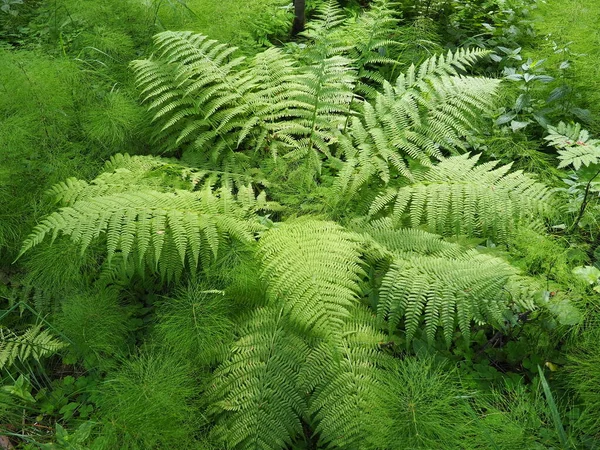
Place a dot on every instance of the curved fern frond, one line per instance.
(256, 399)
(124, 173)
(195, 89)
(440, 292)
(312, 267)
(162, 231)
(429, 109)
(459, 197)
(391, 241)
(33, 343)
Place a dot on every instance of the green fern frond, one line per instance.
(429, 109)
(440, 292)
(256, 400)
(459, 197)
(391, 241)
(33, 343)
(195, 89)
(124, 172)
(348, 384)
(373, 44)
(162, 231)
(575, 146)
(319, 30)
(313, 268)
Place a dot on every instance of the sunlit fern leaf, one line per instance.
(441, 292)
(162, 231)
(195, 89)
(33, 343)
(325, 93)
(255, 395)
(320, 30)
(312, 267)
(347, 384)
(429, 108)
(457, 196)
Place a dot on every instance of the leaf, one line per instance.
(516, 125)
(589, 274)
(565, 311)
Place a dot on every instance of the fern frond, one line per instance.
(195, 89)
(373, 43)
(459, 197)
(162, 231)
(313, 268)
(441, 292)
(256, 399)
(348, 383)
(404, 241)
(33, 343)
(429, 109)
(575, 145)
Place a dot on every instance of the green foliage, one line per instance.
(114, 122)
(95, 325)
(426, 406)
(163, 231)
(268, 283)
(256, 398)
(575, 146)
(583, 375)
(410, 123)
(348, 382)
(516, 417)
(147, 402)
(459, 197)
(313, 267)
(32, 343)
(440, 291)
(195, 324)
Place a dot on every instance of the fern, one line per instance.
(348, 384)
(372, 41)
(575, 146)
(256, 399)
(190, 86)
(441, 291)
(459, 197)
(162, 231)
(313, 268)
(34, 343)
(428, 110)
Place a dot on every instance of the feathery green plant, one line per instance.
(148, 403)
(457, 196)
(33, 343)
(293, 321)
(196, 324)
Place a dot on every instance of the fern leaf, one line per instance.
(313, 268)
(256, 400)
(34, 343)
(458, 197)
(443, 292)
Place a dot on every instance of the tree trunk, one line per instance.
(299, 16)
